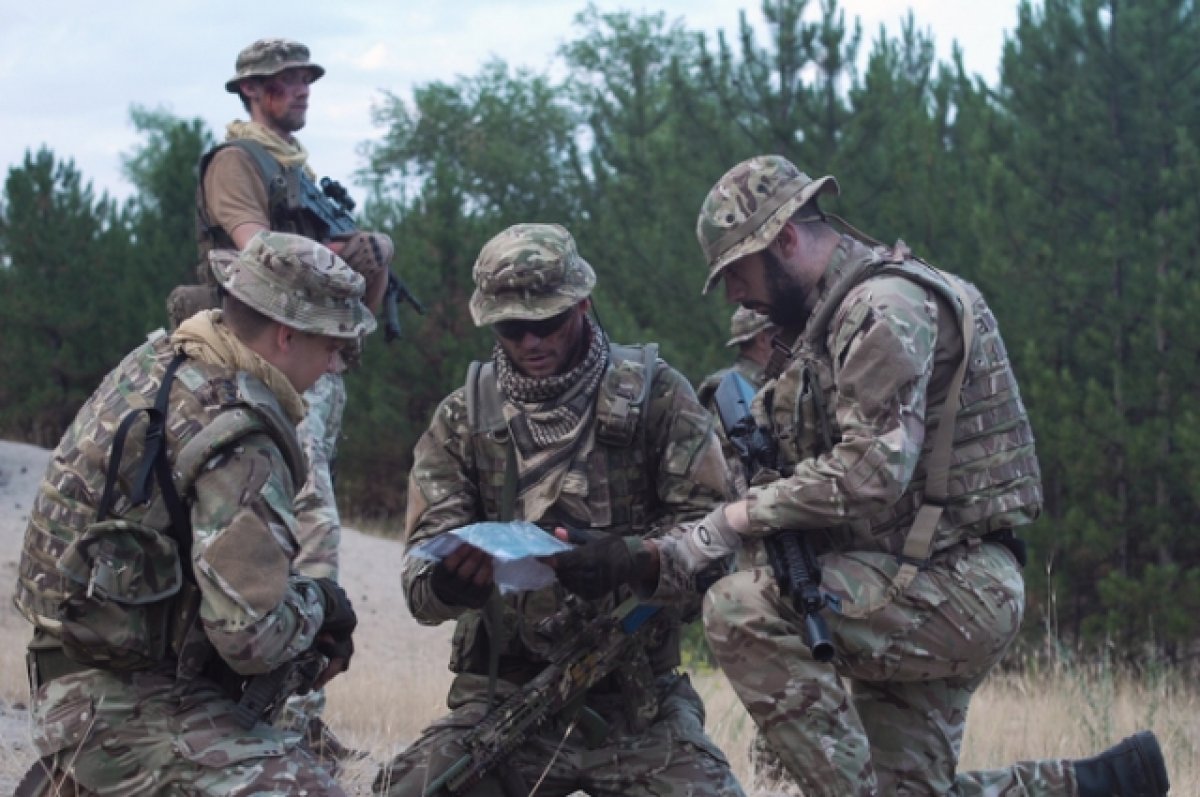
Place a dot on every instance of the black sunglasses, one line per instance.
(518, 328)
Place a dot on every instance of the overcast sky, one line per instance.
(71, 69)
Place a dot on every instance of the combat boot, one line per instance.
(1133, 768)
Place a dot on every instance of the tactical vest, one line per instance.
(210, 408)
(284, 206)
(620, 427)
(993, 481)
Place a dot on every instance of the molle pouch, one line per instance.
(120, 578)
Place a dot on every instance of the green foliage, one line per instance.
(1067, 191)
(58, 244)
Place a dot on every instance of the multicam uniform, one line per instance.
(855, 414)
(170, 728)
(641, 459)
(456, 479)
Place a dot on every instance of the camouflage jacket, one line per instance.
(856, 409)
(254, 611)
(672, 473)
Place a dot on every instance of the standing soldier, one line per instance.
(259, 179)
(158, 566)
(914, 518)
(561, 428)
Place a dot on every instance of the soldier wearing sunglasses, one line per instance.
(563, 428)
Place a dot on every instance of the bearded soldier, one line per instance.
(158, 568)
(561, 428)
(904, 459)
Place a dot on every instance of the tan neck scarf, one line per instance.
(206, 338)
(289, 152)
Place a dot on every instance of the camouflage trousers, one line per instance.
(320, 528)
(886, 717)
(673, 757)
(137, 734)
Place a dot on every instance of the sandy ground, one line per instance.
(390, 642)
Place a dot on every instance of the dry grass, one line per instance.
(1062, 711)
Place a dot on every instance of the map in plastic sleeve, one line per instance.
(514, 546)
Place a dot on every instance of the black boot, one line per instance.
(1133, 768)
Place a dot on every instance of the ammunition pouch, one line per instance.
(121, 578)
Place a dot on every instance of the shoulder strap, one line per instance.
(484, 413)
(919, 542)
(153, 467)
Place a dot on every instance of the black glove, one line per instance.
(601, 562)
(334, 637)
(332, 647)
(340, 619)
(454, 591)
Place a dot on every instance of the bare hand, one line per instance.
(469, 563)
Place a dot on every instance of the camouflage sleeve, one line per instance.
(441, 498)
(691, 475)
(882, 343)
(319, 528)
(254, 609)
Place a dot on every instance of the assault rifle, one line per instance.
(796, 567)
(582, 661)
(332, 206)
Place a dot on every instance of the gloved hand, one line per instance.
(340, 619)
(335, 638)
(370, 254)
(601, 562)
(713, 538)
(453, 590)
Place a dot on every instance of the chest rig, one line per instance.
(286, 185)
(508, 638)
(619, 461)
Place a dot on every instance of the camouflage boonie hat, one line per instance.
(745, 324)
(297, 282)
(748, 207)
(529, 271)
(270, 57)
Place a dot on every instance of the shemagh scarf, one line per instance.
(550, 420)
(289, 152)
(206, 338)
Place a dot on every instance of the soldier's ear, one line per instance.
(787, 240)
(285, 337)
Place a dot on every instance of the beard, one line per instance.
(788, 299)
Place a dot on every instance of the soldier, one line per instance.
(914, 520)
(564, 429)
(252, 182)
(751, 333)
(141, 647)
